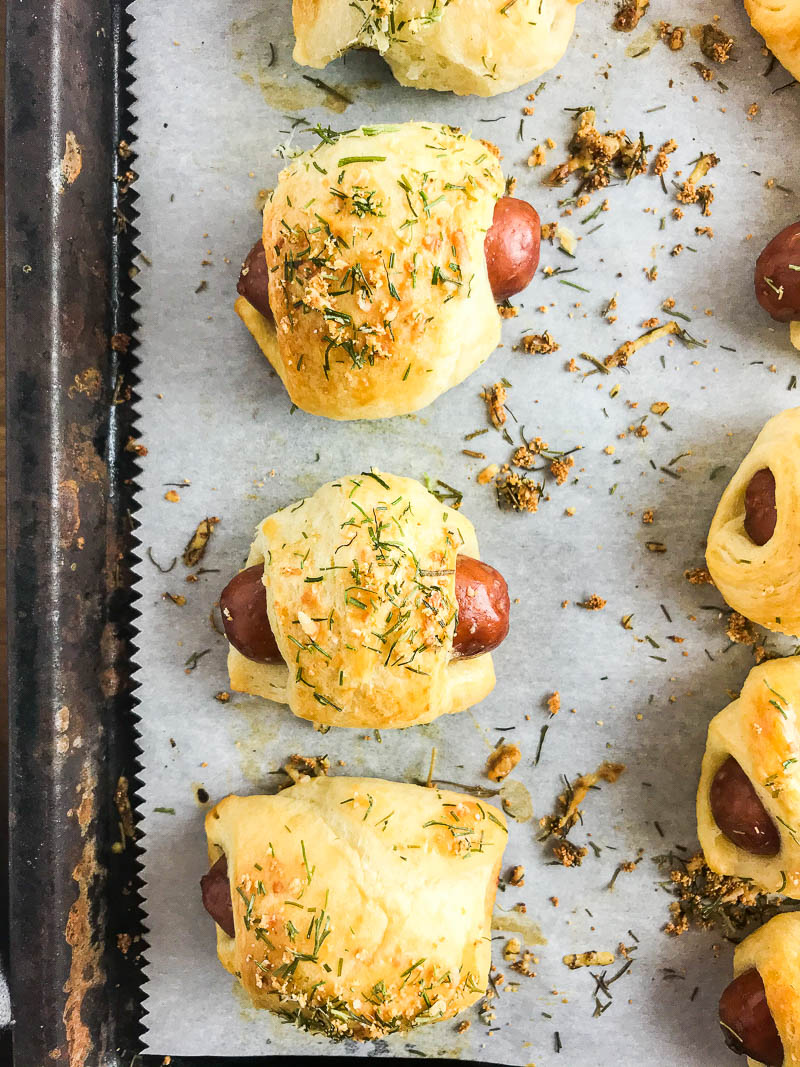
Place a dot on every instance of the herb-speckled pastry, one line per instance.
(467, 46)
(760, 1010)
(753, 550)
(354, 906)
(748, 800)
(366, 605)
(375, 286)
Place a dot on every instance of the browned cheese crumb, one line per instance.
(223, 696)
(592, 958)
(707, 900)
(659, 407)
(740, 630)
(706, 73)
(568, 813)
(699, 576)
(715, 44)
(661, 162)
(502, 762)
(592, 603)
(554, 703)
(301, 768)
(495, 397)
(539, 343)
(629, 15)
(675, 36)
(704, 231)
(526, 456)
(597, 157)
(561, 467)
(463, 1026)
(752, 111)
(519, 492)
(538, 157)
(692, 193)
(516, 875)
(648, 515)
(676, 251)
(628, 348)
(506, 311)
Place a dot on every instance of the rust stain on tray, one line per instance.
(85, 971)
(71, 162)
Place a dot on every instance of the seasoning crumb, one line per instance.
(708, 900)
(716, 44)
(554, 703)
(592, 603)
(302, 768)
(223, 696)
(675, 36)
(648, 515)
(463, 1026)
(502, 762)
(629, 15)
(495, 398)
(698, 576)
(740, 630)
(519, 492)
(517, 875)
(539, 343)
(172, 496)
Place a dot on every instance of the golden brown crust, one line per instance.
(360, 583)
(361, 906)
(762, 583)
(761, 730)
(374, 243)
(774, 951)
(778, 22)
(465, 46)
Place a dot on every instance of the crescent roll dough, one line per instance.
(778, 22)
(467, 46)
(763, 583)
(361, 907)
(378, 281)
(360, 582)
(774, 951)
(761, 730)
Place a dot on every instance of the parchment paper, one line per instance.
(211, 111)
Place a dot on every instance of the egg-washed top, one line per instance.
(361, 907)
(762, 581)
(774, 951)
(467, 46)
(378, 281)
(761, 730)
(360, 583)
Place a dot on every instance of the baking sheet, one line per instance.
(212, 106)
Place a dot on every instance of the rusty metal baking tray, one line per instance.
(76, 927)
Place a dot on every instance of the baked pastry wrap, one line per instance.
(774, 951)
(360, 906)
(377, 274)
(778, 22)
(360, 581)
(761, 730)
(466, 46)
(763, 583)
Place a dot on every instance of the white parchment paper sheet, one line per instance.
(211, 111)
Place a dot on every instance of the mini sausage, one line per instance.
(760, 513)
(777, 278)
(483, 608)
(746, 1021)
(739, 813)
(243, 605)
(216, 890)
(481, 594)
(512, 247)
(253, 282)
